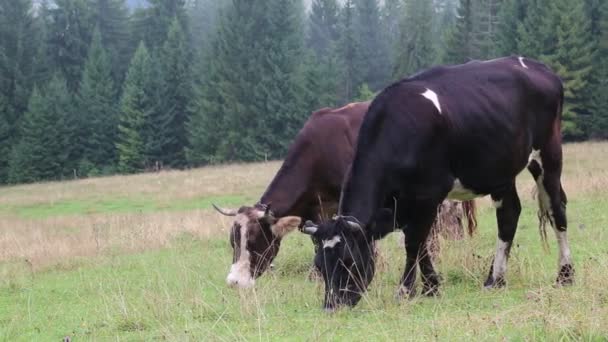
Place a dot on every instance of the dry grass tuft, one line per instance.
(45, 241)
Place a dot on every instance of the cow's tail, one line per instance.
(470, 212)
(544, 209)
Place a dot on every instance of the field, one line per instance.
(144, 258)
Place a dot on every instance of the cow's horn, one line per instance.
(309, 228)
(226, 212)
(353, 223)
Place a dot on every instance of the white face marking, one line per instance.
(331, 243)
(521, 61)
(240, 273)
(497, 204)
(500, 260)
(459, 192)
(564, 248)
(431, 95)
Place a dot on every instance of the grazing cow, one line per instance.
(306, 187)
(460, 132)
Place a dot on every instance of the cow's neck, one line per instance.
(360, 197)
(286, 190)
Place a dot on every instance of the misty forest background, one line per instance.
(97, 87)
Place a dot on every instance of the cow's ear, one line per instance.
(382, 224)
(285, 225)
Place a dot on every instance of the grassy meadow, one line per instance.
(144, 257)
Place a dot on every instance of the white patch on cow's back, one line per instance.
(331, 243)
(521, 61)
(240, 271)
(459, 192)
(432, 96)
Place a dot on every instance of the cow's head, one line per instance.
(255, 238)
(346, 256)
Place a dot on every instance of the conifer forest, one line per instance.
(101, 87)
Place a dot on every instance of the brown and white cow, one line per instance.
(306, 187)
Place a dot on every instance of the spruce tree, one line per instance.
(572, 59)
(112, 20)
(44, 149)
(323, 26)
(415, 42)
(135, 104)
(348, 52)
(98, 112)
(511, 16)
(598, 127)
(220, 104)
(70, 34)
(373, 60)
(459, 39)
(322, 68)
(537, 33)
(485, 27)
(203, 19)
(391, 14)
(178, 91)
(18, 40)
(5, 141)
(279, 59)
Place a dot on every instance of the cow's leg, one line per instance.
(508, 209)
(546, 166)
(415, 246)
(430, 278)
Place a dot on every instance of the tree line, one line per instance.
(91, 87)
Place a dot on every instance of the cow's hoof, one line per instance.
(431, 291)
(565, 277)
(405, 292)
(431, 286)
(492, 283)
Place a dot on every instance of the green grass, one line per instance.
(178, 293)
(85, 206)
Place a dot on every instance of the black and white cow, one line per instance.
(459, 132)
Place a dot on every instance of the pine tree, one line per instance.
(416, 45)
(135, 104)
(70, 35)
(373, 61)
(459, 41)
(44, 149)
(176, 58)
(98, 110)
